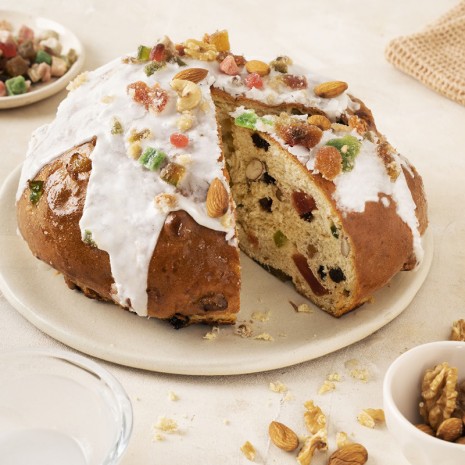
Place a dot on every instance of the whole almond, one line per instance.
(330, 89)
(450, 429)
(192, 74)
(351, 454)
(257, 66)
(217, 199)
(282, 436)
(321, 121)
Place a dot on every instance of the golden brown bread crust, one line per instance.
(186, 253)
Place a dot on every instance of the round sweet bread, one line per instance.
(159, 166)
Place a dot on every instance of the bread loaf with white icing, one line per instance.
(159, 166)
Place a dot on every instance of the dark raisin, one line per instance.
(213, 302)
(267, 179)
(336, 275)
(178, 321)
(296, 111)
(335, 231)
(322, 272)
(307, 217)
(259, 142)
(266, 203)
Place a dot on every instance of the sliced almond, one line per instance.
(192, 74)
(282, 436)
(217, 199)
(330, 89)
(254, 169)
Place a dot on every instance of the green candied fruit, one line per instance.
(16, 85)
(267, 121)
(279, 238)
(37, 188)
(88, 238)
(153, 66)
(334, 231)
(43, 57)
(117, 127)
(152, 158)
(246, 120)
(349, 148)
(143, 53)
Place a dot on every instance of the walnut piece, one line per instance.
(439, 394)
(315, 419)
(249, 451)
(458, 331)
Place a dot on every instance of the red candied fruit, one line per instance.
(9, 49)
(254, 80)
(158, 53)
(154, 98)
(295, 82)
(299, 133)
(179, 140)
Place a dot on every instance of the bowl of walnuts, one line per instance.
(424, 403)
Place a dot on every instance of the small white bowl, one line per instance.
(60, 408)
(402, 394)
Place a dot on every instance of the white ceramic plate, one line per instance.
(110, 333)
(67, 39)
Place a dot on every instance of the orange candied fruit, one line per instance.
(297, 132)
(153, 98)
(220, 39)
(328, 161)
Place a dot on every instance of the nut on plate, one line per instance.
(351, 454)
(330, 89)
(282, 436)
(217, 199)
(192, 74)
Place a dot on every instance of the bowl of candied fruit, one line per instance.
(424, 403)
(38, 57)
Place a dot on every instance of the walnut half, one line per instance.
(439, 394)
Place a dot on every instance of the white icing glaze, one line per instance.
(120, 210)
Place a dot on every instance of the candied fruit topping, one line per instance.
(295, 82)
(281, 64)
(153, 67)
(297, 132)
(328, 161)
(43, 57)
(143, 53)
(8, 49)
(158, 53)
(246, 120)
(37, 188)
(229, 66)
(152, 158)
(349, 148)
(254, 80)
(220, 39)
(279, 238)
(117, 127)
(152, 98)
(179, 140)
(172, 173)
(78, 163)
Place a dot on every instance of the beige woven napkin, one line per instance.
(435, 56)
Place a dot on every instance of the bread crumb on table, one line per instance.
(167, 425)
(264, 337)
(278, 387)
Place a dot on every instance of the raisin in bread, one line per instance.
(160, 165)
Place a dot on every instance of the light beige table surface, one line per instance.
(340, 38)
